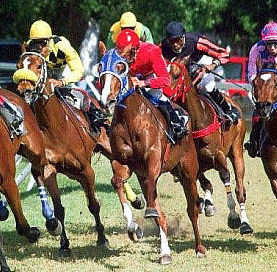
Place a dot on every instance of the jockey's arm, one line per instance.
(221, 55)
(252, 62)
(76, 67)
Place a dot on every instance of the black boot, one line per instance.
(253, 145)
(97, 117)
(176, 120)
(231, 112)
(11, 116)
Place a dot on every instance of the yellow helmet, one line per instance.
(128, 19)
(40, 30)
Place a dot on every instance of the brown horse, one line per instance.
(139, 144)
(265, 93)
(68, 140)
(30, 145)
(214, 144)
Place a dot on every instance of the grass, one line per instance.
(226, 248)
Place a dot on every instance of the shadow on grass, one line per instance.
(266, 235)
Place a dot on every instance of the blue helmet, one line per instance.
(175, 30)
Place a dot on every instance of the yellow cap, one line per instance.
(128, 19)
(40, 30)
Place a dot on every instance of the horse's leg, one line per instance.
(4, 266)
(11, 193)
(35, 153)
(103, 146)
(121, 174)
(207, 187)
(87, 179)
(236, 157)
(59, 211)
(233, 217)
(188, 181)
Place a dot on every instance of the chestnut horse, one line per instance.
(30, 145)
(140, 145)
(265, 94)
(68, 140)
(214, 143)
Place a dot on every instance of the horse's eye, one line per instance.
(39, 66)
(121, 68)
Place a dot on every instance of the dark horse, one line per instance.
(214, 144)
(265, 93)
(68, 140)
(30, 145)
(140, 145)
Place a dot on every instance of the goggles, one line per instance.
(271, 43)
(179, 41)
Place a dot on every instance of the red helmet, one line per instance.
(126, 37)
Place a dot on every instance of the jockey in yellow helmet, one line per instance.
(128, 20)
(58, 53)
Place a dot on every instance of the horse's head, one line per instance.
(177, 67)
(265, 92)
(31, 75)
(113, 75)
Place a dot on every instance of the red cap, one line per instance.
(126, 37)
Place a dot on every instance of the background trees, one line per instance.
(234, 22)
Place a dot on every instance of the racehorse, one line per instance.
(265, 94)
(30, 145)
(140, 145)
(214, 143)
(68, 140)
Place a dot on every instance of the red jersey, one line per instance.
(150, 61)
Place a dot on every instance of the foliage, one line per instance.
(236, 22)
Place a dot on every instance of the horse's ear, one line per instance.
(23, 47)
(102, 48)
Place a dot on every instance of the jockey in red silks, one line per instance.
(263, 55)
(148, 70)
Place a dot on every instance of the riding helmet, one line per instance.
(269, 32)
(128, 19)
(126, 37)
(174, 30)
(40, 30)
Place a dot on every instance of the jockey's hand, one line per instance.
(210, 67)
(57, 83)
(137, 82)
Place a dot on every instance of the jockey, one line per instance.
(179, 43)
(263, 55)
(128, 20)
(148, 70)
(58, 54)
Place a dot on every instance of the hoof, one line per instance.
(139, 203)
(64, 252)
(6, 269)
(104, 243)
(135, 235)
(150, 213)
(33, 234)
(245, 228)
(165, 259)
(210, 209)
(200, 254)
(4, 214)
(54, 226)
(234, 222)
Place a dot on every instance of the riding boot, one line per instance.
(11, 116)
(176, 120)
(253, 145)
(97, 117)
(230, 111)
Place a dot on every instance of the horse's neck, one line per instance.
(271, 126)
(195, 108)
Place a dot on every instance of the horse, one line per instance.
(68, 140)
(139, 144)
(30, 145)
(265, 94)
(214, 143)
